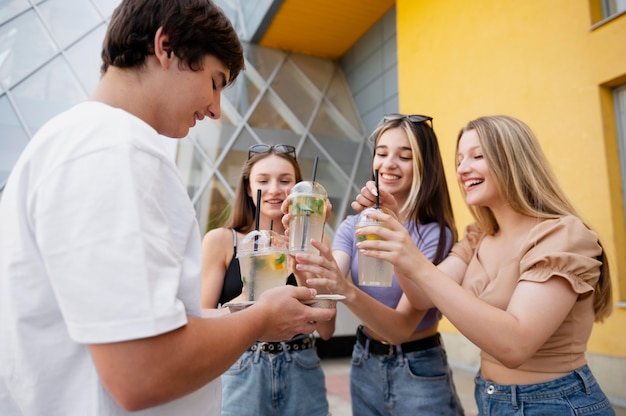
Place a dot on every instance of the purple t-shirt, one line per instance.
(426, 240)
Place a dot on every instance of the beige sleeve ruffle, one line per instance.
(562, 247)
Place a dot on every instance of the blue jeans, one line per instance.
(576, 393)
(417, 383)
(288, 383)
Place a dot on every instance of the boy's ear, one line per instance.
(162, 47)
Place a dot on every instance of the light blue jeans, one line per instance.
(576, 393)
(417, 383)
(286, 384)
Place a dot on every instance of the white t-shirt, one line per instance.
(98, 243)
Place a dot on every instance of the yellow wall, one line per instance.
(539, 61)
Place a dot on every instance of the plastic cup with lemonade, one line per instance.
(308, 215)
(263, 262)
(372, 271)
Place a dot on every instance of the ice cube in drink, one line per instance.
(308, 215)
(263, 262)
(372, 271)
(261, 271)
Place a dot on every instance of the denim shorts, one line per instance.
(576, 393)
(416, 383)
(288, 383)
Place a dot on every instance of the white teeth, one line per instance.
(390, 177)
(472, 183)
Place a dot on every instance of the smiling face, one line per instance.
(473, 173)
(272, 175)
(200, 93)
(393, 158)
(192, 96)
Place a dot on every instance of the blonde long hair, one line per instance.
(526, 181)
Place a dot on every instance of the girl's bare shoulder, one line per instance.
(219, 238)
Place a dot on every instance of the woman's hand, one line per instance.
(394, 244)
(367, 199)
(322, 271)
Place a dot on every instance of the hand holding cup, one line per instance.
(286, 313)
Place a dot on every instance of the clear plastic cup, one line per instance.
(263, 262)
(308, 215)
(372, 271)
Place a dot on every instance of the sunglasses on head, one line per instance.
(278, 148)
(413, 118)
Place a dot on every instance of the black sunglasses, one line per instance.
(413, 118)
(264, 148)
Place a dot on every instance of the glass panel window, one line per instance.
(364, 165)
(612, 7)
(24, 47)
(318, 71)
(13, 139)
(46, 93)
(107, 6)
(11, 8)
(340, 96)
(263, 60)
(327, 173)
(68, 20)
(242, 93)
(84, 57)
(216, 203)
(267, 115)
(296, 91)
(331, 123)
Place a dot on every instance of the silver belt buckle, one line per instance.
(391, 350)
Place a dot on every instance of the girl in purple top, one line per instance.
(399, 365)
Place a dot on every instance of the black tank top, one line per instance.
(233, 286)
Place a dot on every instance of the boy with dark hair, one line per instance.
(100, 251)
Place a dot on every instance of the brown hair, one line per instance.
(196, 28)
(244, 209)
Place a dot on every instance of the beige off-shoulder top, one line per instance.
(562, 247)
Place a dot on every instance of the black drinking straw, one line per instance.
(271, 226)
(305, 226)
(257, 215)
(314, 169)
(377, 193)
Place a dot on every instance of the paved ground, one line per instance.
(337, 371)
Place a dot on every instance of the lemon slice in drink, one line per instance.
(280, 262)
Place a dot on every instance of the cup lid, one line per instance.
(364, 219)
(308, 188)
(262, 241)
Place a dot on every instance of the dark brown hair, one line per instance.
(196, 28)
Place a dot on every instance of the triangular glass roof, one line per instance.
(280, 98)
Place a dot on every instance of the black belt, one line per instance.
(382, 348)
(292, 345)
